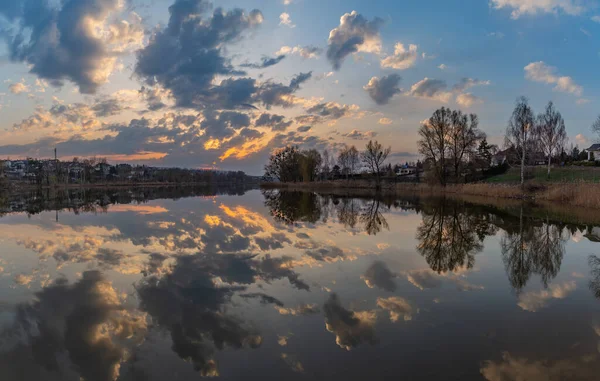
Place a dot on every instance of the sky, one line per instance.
(221, 84)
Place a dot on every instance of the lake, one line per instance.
(177, 284)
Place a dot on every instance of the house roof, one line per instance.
(594, 147)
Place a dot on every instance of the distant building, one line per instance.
(593, 151)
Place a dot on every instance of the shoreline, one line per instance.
(29, 187)
(583, 196)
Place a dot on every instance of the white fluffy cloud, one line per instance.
(286, 20)
(306, 52)
(581, 140)
(354, 34)
(534, 7)
(467, 100)
(402, 58)
(536, 300)
(541, 72)
(18, 88)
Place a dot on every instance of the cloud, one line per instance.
(533, 7)
(541, 72)
(443, 67)
(596, 19)
(520, 368)
(385, 121)
(436, 89)
(189, 74)
(467, 100)
(306, 52)
(580, 139)
(467, 83)
(427, 278)
(359, 135)
(399, 308)
(351, 328)
(83, 324)
(265, 63)
(432, 89)
(402, 58)
(68, 41)
(286, 20)
(303, 309)
(382, 90)
(534, 301)
(18, 88)
(379, 275)
(275, 122)
(354, 34)
(292, 362)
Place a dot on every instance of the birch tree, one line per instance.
(550, 132)
(520, 131)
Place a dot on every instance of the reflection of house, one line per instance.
(405, 171)
(103, 169)
(593, 152)
(593, 234)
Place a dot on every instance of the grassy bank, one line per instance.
(571, 174)
(581, 193)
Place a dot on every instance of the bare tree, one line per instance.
(353, 159)
(596, 126)
(374, 156)
(433, 143)
(463, 138)
(550, 132)
(343, 161)
(326, 168)
(519, 131)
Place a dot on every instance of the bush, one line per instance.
(497, 170)
(586, 163)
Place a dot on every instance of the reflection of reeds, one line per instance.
(583, 194)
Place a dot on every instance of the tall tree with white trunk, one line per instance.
(550, 132)
(520, 132)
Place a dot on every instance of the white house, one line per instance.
(595, 150)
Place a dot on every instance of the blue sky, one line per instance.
(77, 85)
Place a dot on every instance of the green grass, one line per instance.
(557, 174)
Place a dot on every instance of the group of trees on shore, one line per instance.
(528, 134)
(449, 141)
(452, 142)
(290, 164)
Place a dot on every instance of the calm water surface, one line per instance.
(177, 285)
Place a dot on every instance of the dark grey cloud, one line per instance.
(107, 107)
(277, 94)
(57, 43)
(353, 33)
(351, 328)
(379, 275)
(381, 90)
(359, 135)
(430, 88)
(274, 241)
(186, 56)
(265, 63)
(58, 333)
(303, 128)
(275, 122)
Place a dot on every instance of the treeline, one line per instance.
(453, 146)
(455, 149)
(98, 171)
(290, 164)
